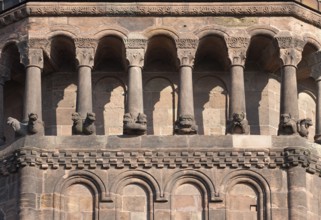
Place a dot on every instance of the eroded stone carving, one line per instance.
(83, 126)
(238, 124)
(303, 127)
(186, 125)
(237, 48)
(290, 49)
(287, 126)
(135, 57)
(135, 125)
(186, 56)
(85, 56)
(33, 126)
(89, 127)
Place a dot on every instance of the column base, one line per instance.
(186, 125)
(238, 124)
(135, 125)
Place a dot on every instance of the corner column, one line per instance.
(237, 123)
(186, 120)
(135, 121)
(290, 53)
(4, 75)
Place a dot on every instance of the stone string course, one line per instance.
(170, 159)
(161, 9)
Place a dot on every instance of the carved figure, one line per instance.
(77, 123)
(303, 127)
(20, 128)
(135, 126)
(186, 125)
(35, 126)
(88, 127)
(238, 124)
(287, 126)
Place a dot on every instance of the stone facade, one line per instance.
(149, 110)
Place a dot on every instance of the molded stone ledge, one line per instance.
(190, 142)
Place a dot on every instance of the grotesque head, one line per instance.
(75, 117)
(238, 117)
(307, 122)
(127, 118)
(33, 117)
(186, 121)
(142, 119)
(91, 116)
(285, 118)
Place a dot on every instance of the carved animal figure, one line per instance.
(88, 127)
(238, 124)
(35, 126)
(20, 129)
(186, 125)
(134, 126)
(303, 127)
(77, 123)
(287, 126)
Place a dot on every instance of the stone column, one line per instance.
(316, 74)
(297, 196)
(135, 121)
(186, 121)
(290, 54)
(4, 75)
(237, 123)
(33, 99)
(85, 58)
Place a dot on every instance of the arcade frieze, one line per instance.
(160, 159)
(135, 43)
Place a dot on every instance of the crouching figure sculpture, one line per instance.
(186, 125)
(135, 125)
(83, 126)
(238, 124)
(288, 125)
(34, 126)
(303, 127)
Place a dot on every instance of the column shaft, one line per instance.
(237, 97)
(186, 102)
(32, 102)
(1, 113)
(317, 136)
(135, 91)
(297, 198)
(84, 91)
(289, 92)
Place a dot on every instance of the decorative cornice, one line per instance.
(170, 159)
(161, 9)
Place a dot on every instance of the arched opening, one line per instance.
(160, 77)
(60, 86)
(78, 203)
(187, 202)
(14, 88)
(262, 86)
(210, 92)
(133, 203)
(243, 202)
(109, 105)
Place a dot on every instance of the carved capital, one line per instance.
(187, 43)
(135, 57)
(290, 49)
(186, 57)
(135, 43)
(237, 56)
(237, 48)
(39, 43)
(32, 57)
(290, 56)
(85, 57)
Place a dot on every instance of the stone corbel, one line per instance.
(237, 48)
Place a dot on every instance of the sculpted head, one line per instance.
(33, 117)
(91, 116)
(186, 121)
(238, 117)
(142, 118)
(285, 118)
(75, 117)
